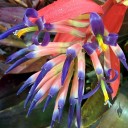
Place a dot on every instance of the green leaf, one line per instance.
(15, 117)
(93, 109)
(116, 116)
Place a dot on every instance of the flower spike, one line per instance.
(80, 29)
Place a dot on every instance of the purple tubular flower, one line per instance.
(51, 94)
(11, 30)
(35, 38)
(52, 123)
(70, 115)
(61, 103)
(60, 114)
(111, 39)
(109, 89)
(71, 54)
(120, 54)
(32, 106)
(47, 102)
(40, 23)
(18, 62)
(78, 114)
(80, 89)
(54, 117)
(66, 68)
(90, 47)
(26, 84)
(53, 91)
(45, 69)
(123, 60)
(96, 24)
(32, 47)
(81, 77)
(29, 97)
(37, 97)
(30, 12)
(17, 54)
(46, 39)
(92, 92)
(48, 26)
(71, 111)
(31, 55)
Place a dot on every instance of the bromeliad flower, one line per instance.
(67, 59)
(66, 65)
(105, 44)
(108, 45)
(91, 51)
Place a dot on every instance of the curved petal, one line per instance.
(30, 12)
(111, 39)
(44, 42)
(114, 77)
(96, 24)
(92, 92)
(90, 47)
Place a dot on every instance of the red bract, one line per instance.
(67, 9)
(113, 18)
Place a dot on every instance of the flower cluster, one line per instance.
(84, 34)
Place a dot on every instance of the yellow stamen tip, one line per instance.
(103, 87)
(21, 32)
(103, 46)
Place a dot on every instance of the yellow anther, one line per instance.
(21, 32)
(103, 46)
(103, 87)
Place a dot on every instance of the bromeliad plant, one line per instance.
(80, 31)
